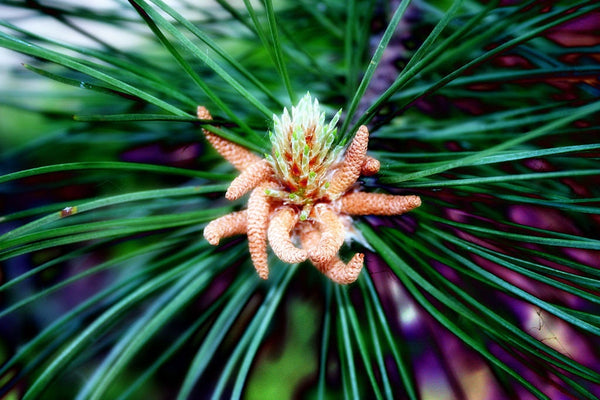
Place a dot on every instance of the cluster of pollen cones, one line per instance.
(298, 221)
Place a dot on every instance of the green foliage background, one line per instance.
(487, 110)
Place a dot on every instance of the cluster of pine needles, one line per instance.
(488, 110)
